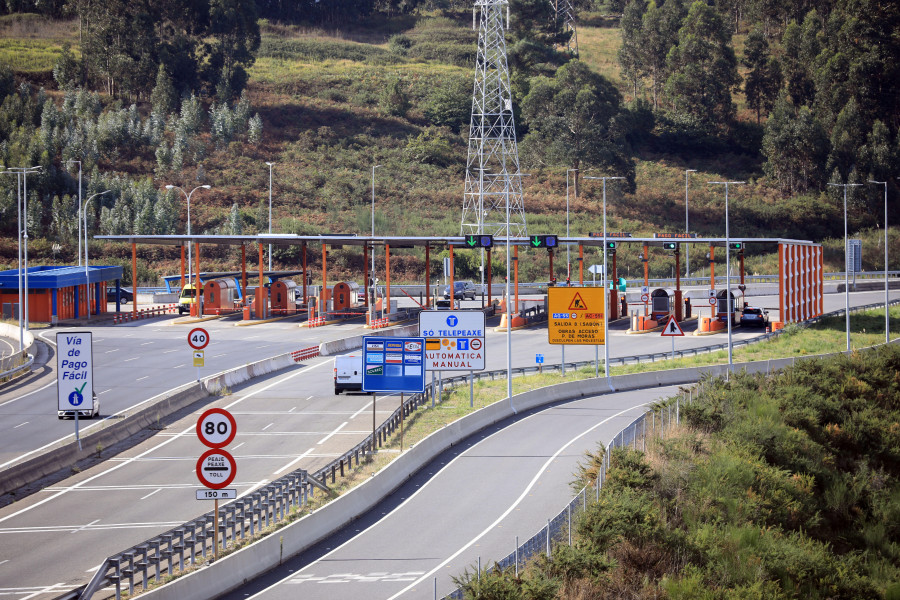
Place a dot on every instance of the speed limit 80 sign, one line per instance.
(216, 428)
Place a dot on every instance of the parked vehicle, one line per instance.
(461, 290)
(126, 295)
(753, 316)
(85, 412)
(348, 373)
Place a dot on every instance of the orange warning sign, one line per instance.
(577, 303)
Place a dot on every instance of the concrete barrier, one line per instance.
(12, 332)
(252, 561)
(352, 343)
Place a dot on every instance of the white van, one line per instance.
(347, 373)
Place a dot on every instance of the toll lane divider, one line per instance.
(144, 313)
(66, 454)
(237, 569)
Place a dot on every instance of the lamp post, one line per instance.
(887, 312)
(568, 263)
(78, 216)
(22, 210)
(270, 212)
(687, 254)
(728, 301)
(373, 234)
(190, 254)
(846, 260)
(605, 284)
(86, 276)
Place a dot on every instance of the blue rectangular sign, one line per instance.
(393, 364)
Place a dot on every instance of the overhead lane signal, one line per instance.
(673, 246)
(736, 246)
(544, 241)
(479, 241)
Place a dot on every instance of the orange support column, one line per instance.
(712, 267)
(366, 279)
(427, 275)
(244, 273)
(613, 303)
(581, 264)
(323, 306)
(646, 262)
(550, 254)
(262, 300)
(134, 280)
(197, 298)
(452, 284)
(387, 284)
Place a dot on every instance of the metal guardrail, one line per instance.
(11, 369)
(274, 502)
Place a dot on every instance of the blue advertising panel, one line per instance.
(393, 364)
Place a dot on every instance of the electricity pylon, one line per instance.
(493, 195)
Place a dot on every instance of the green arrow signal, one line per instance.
(470, 240)
(535, 241)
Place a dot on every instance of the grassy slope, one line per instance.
(318, 93)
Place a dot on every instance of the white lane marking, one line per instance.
(104, 391)
(49, 589)
(325, 439)
(293, 409)
(144, 377)
(131, 359)
(171, 351)
(20, 424)
(46, 339)
(512, 506)
(111, 351)
(189, 430)
(218, 355)
(310, 398)
(267, 426)
(151, 493)
(83, 527)
(146, 343)
(52, 383)
(356, 414)
(238, 446)
(293, 462)
(4, 561)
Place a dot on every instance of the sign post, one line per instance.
(198, 339)
(216, 468)
(454, 341)
(74, 373)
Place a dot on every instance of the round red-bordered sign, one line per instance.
(475, 344)
(216, 428)
(645, 297)
(198, 338)
(216, 468)
(712, 300)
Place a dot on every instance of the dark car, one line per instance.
(461, 290)
(753, 316)
(125, 295)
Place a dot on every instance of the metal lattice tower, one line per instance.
(567, 8)
(493, 180)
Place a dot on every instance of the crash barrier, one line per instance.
(316, 321)
(144, 313)
(662, 417)
(16, 364)
(379, 323)
(305, 354)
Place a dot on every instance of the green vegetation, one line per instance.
(777, 487)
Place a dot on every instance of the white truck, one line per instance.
(348, 373)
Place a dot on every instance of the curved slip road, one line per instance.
(471, 501)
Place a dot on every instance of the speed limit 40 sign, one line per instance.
(198, 338)
(216, 428)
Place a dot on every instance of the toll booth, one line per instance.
(722, 306)
(220, 295)
(661, 304)
(284, 296)
(345, 295)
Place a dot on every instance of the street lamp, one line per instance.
(22, 209)
(86, 276)
(78, 217)
(568, 263)
(270, 212)
(373, 232)
(887, 312)
(687, 254)
(728, 301)
(190, 255)
(605, 285)
(846, 260)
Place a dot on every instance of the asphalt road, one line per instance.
(470, 502)
(53, 540)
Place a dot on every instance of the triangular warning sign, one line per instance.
(577, 302)
(672, 328)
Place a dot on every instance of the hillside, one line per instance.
(331, 103)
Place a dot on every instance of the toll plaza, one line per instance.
(800, 277)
